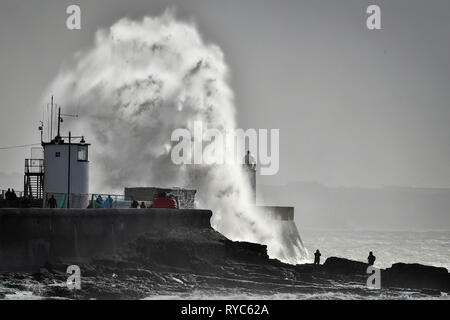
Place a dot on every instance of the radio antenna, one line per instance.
(51, 122)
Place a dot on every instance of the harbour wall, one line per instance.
(33, 238)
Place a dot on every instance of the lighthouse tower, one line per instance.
(249, 169)
(66, 170)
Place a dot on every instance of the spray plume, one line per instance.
(136, 85)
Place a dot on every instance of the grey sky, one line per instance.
(354, 107)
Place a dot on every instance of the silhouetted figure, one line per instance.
(317, 255)
(162, 195)
(99, 202)
(171, 196)
(108, 202)
(164, 201)
(8, 195)
(371, 258)
(13, 195)
(134, 204)
(143, 205)
(52, 204)
(27, 201)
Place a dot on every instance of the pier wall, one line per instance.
(33, 238)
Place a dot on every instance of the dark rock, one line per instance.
(344, 266)
(416, 276)
(431, 292)
(401, 275)
(246, 252)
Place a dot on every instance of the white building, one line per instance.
(66, 171)
(63, 176)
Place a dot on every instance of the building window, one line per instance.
(82, 153)
(57, 154)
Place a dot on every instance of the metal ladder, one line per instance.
(34, 178)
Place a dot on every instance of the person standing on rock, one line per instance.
(317, 255)
(371, 258)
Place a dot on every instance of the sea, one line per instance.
(425, 247)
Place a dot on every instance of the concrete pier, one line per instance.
(33, 238)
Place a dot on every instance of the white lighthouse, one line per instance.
(66, 170)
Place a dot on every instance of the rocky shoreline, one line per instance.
(206, 265)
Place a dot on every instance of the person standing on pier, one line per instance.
(109, 202)
(52, 204)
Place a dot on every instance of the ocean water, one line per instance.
(428, 248)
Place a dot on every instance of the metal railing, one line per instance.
(34, 166)
(75, 201)
(108, 201)
(82, 201)
(34, 178)
(19, 194)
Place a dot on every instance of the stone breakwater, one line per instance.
(33, 238)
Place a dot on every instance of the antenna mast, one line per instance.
(59, 121)
(51, 120)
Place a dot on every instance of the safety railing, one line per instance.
(107, 201)
(15, 194)
(82, 201)
(34, 166)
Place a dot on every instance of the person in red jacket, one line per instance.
(164, 202)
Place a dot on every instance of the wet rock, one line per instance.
(344, 266)
(416, 276)
(400, 275)
(246, 252)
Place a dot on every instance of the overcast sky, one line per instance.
(354, 107)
